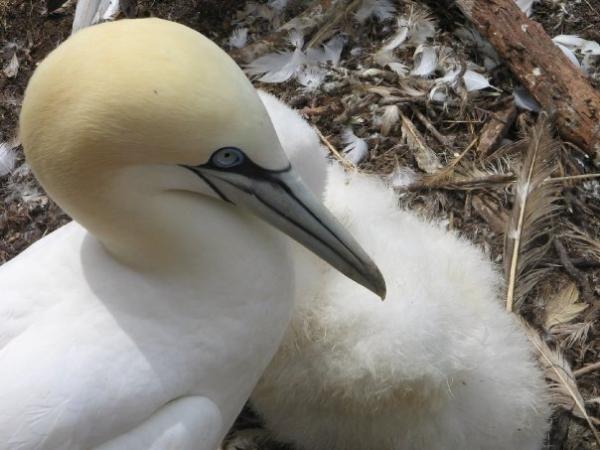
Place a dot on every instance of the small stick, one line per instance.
(432, 129)
(347, 164)
(587, 369)
(585, 176)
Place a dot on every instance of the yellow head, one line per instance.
(130, 109)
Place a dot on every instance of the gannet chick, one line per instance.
(146, 322)
(438, 366)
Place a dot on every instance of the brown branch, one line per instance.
(541, 67)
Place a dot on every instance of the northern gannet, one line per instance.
(438, 366)
(146, 322)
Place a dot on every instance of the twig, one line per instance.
(347, 164)
(587, 369)
(432, 129)
(585, 176)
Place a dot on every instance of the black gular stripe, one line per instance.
(210, 183)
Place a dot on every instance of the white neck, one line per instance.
(217, 275)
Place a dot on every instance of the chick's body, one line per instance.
(438, 366)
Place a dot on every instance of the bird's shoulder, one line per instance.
(38, 279)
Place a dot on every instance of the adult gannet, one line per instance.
(146, 323)
(438, 366)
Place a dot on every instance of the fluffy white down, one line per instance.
(438, 366)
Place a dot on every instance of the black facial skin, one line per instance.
(245, 167)
(249, 169)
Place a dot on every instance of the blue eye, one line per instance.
(227, 157)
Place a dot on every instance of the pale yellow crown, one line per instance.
(138, 92)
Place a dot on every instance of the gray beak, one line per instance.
(282, 199)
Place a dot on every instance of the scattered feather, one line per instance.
(569, 54)
(524, 100)
(11, 69)
(296, 38)
(562, 307)
(563, 386)
(398, 39)
(304, 66)
(475, 81)
(528, 236)
(277, 67)
(386, 58)
(570, 41)
(426, 159)
(356, 149)
(112, 10)
(238, 38)
(425, 61)
(420, 24)
(8, 157)
(278, 5)
(402, 177)
(526, 6)
(391, 115)
(90, 12)
(311, 77)
(572, 44)
(378, 9)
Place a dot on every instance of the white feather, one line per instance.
(356, 149)
(238, 38)
(90, 12)
(570, 41)
(11, 69)
(391, 115)
(277, 67)
(422, 28)
(572, 44)
(426, 60)
(8, 158)
(278, 5)
(524, 100)
(296, 38)
(474, 81)
(311, 77)
(569, 54)
(403, 176)
(379, 9)
(526, 6)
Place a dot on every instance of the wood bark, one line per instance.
(495, 130)
(542, 68)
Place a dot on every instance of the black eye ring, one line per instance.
(227, 157)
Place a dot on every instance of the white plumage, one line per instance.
(438, 366)
(146, 322)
